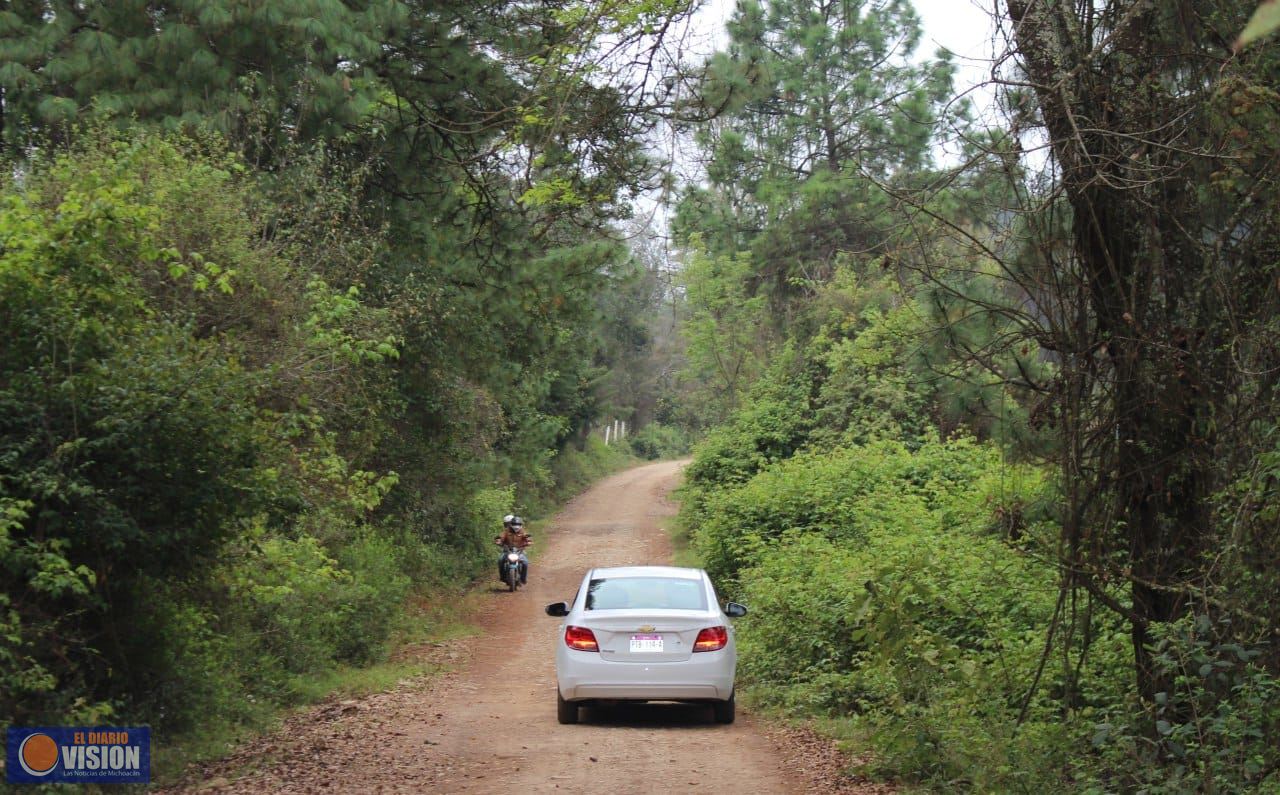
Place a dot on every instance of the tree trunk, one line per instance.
(1156, 472)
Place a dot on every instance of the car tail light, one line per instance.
(711, 639)
(580, 638)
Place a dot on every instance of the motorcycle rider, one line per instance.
(514, 536)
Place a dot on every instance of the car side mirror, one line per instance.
(735, 610)
(558, 609)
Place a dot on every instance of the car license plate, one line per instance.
(646, 644)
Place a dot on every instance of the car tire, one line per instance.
(724, 710)
(566, 711)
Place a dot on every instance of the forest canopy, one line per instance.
(998, 432)
(299, 297)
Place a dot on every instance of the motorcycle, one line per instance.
(509, 566)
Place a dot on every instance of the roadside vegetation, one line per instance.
(990, 449)
(298, 298)
(283, 342)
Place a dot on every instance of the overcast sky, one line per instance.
(966, 28)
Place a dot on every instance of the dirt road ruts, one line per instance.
(490, 726)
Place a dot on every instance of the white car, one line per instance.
(645, 633)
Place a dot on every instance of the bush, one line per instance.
(845, 493)
(880, 594)
(1218, 731)
(366, 608)
(770, 428)
(182, 414)
(128, 444)
(203, 666)
(575, 468)
(656, 440)
(928, 643)
(773, 426)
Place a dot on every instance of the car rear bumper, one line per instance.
(647, 692)
(706, 676)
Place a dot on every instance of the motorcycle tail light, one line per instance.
(580, 639)
(711, 639)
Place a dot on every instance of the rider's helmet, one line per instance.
(509, 520)
(517, 522)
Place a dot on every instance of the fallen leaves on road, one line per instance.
(819, 765)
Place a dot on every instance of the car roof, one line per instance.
(647, 571)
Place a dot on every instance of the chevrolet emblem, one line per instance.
(646, 628)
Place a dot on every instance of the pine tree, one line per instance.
(818, 96)
(287, 69)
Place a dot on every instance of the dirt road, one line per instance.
(490, 726)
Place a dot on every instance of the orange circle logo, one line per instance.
(38, 754)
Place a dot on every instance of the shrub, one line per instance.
(128, 444)
(773, 426)
(574, 468)
(656, 440)
(879, 594)
(847, 492)
(366, 607)
(182, 413)
(1217, 731)
(929, 638)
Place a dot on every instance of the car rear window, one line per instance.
(646, 593)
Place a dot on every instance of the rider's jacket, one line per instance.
(514, 538)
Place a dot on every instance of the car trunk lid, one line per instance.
(629, 636)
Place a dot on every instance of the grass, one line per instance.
(682, 553)
(681, 536)
(428, 618)
(574, 469)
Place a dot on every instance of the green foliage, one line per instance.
(814, 105)
(574, 468)
(724, 332)
(656, 440)
(197, 415)
(305, 610)
(849, 493)
(1264, 22)
(1022, 627)
(915, 637)
(303, 296)
(822, 73)
(299, 66)
(878, 591)
(121, 430)
(772, 426)
(1215, 732)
